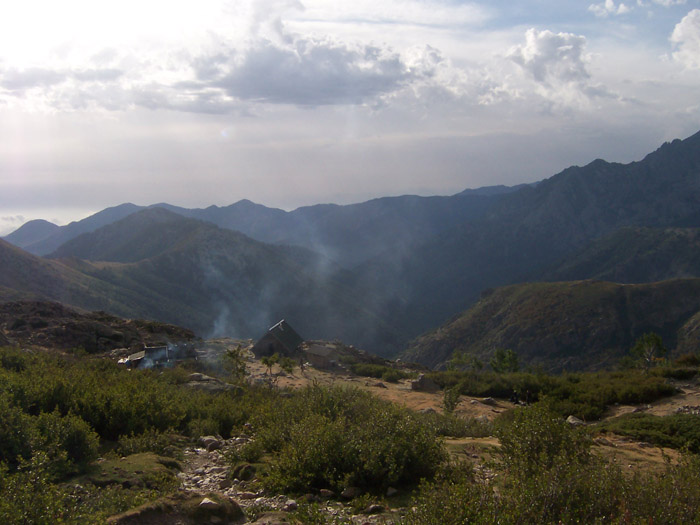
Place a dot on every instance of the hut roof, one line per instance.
(286, 335)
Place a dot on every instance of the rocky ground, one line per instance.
(206, 469)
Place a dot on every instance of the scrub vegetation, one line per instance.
(61, 413)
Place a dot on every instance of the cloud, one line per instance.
(557, 67)
(669, 3)
(316, 72)
(22, 79)
(9, 223)
(552, 57)
(607, 8)
(279, 66)
(686, 40)
(269, 64)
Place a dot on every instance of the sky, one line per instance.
(297, 102)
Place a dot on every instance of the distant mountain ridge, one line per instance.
(348, 234)
(32, 232)
(63, 234)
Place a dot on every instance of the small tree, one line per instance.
(269, 361)
(504, 361)
(648, 348)
(233, 363)
(462, 361)
(450, 399)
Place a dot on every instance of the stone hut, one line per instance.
(321, 356)
(281, 339)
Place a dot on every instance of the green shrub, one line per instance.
(321, 438)
(584, 395)
(454, 426)
(680, 431)
(387, 373)
(68, 440)
(28, 496)
(453, 498)
(16, 433)
(151, 440)
(534, 439)
(13, 359)
(546, 474)
(688, 360)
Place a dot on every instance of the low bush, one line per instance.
(386, 373)
(320, 438)
(680, 431)
(546, 474)
(584, 395)
(69, 441)
(161, 443)
(533, 439)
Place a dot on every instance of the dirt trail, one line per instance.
(688, 396)
(399, 393)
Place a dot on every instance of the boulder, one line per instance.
(574, 421)
(210, 443)
(374, 509)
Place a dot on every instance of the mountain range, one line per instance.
(378, 273)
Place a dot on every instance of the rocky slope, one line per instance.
(52, 325)
(567, 325)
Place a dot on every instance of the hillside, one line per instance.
(63, 234)
(566, 325)
(635, 255)
(55, 326)
(525, 232)
(79, 284)
(32, 232)
(220, 282)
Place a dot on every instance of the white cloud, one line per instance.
(669, 3)
(608, 8)
(267, 63)
(552, 57)
(686, 39)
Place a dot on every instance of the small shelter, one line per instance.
(279, 339)
(321, 356)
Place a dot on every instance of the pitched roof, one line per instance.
(286, 335)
